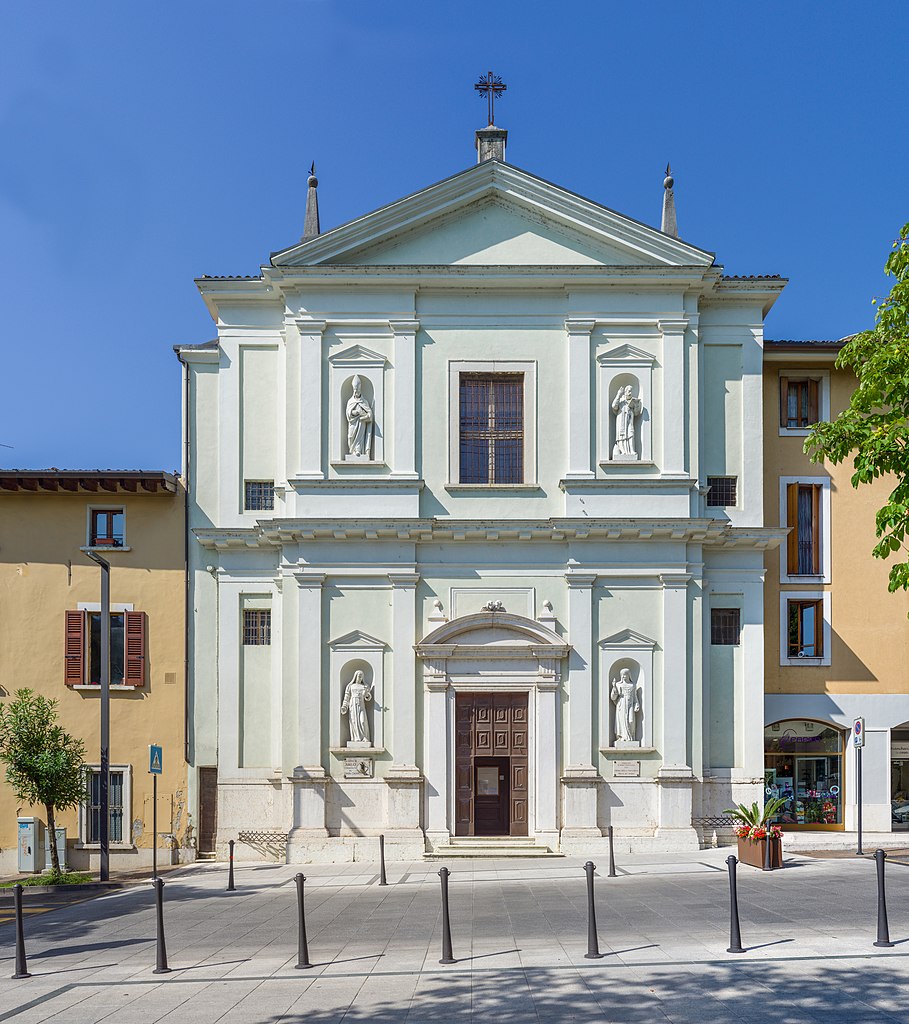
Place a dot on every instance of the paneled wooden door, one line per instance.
(491, 730)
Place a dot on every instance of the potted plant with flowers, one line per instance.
(753, 826)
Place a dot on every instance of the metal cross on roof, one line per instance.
(490, 85)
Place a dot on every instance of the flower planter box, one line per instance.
(752, 852)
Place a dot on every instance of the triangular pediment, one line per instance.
(357, 640)
(494, 214)
(357, 355)
(626, 354)
(628, 638)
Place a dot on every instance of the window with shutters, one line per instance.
(804, 400)
(119, 797)
(491, 428)
(106, 528)
(82, 648)
(805, 628)
(805, 511)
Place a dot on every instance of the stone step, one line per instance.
(461, 847)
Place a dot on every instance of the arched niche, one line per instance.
(369, 366)
(634, 651)
(357, 651)
(614, 676)
(618, 368)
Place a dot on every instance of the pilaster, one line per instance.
(675, 420)
(310, 397)
(309, 661)
(405, 403)
(579, 398)
(403, 661)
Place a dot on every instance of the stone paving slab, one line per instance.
(519, 933)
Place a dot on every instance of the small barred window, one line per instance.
(721, 491)
(725, 627)
(256, 626)
(259, 495)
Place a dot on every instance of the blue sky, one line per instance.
(143, 146)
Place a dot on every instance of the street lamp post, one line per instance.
(104, 812)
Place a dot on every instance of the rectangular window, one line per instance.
(259, 495)
(806, 629)
(803, 517)
(107, 528)
(721, 491)
(256, 626)
(491, 428)
(116, 648)
(798, 402)
(725, 626)
(116, 794)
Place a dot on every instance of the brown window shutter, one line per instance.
(134, 643)
(784, 401)
(813, 415)
(819, 629)
(792, 521)
(74, 649)
(816, 529)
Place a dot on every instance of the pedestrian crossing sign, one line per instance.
(155, 759)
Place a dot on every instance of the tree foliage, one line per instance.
(874, 427)
(44, 763)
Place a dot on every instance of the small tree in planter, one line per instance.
(44, 763)
(752, 829)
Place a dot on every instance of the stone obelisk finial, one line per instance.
(311, 222)
(669, 224)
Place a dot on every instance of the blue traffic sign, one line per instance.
(155, 759)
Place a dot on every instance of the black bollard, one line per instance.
(593, 942)
(447, 957)
(161, 953)
(302, 945)
(883, 928)
(21, 965)
(612, 871)
(382, 879)
(230, 871)
(735, 935)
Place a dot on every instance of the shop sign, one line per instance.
(858, 732)
(899, 751)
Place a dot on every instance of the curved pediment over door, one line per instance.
(492, 647)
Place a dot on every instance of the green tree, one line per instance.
(874, 427)
(44, 763)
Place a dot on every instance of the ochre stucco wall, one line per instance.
(42, 575)
(870, 628)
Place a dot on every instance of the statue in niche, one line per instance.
(359, 423)
(626, 407)
(625, 695)
(356, 697)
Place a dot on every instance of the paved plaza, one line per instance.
(519, 934)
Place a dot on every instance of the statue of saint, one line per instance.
(626, 407)
(359, 423)
(624, 694)
(354, 706)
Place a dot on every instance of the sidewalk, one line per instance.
(519, 934)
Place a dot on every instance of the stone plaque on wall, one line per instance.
(626, 769)
(358, 768)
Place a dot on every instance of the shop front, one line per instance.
(899, 780)
(803, 764)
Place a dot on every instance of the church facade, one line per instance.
(477, 531)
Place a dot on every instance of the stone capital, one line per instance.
(310, 580)
(404, 580)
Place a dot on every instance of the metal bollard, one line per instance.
(612, 871)
(21, 965)
(302, 945)
(735, 934)
(161, 951)
(230, 871)
(382, 879)
(447, 957)
(883, 928)
(593, 942)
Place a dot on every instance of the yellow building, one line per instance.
(50, 641)
(837, 642)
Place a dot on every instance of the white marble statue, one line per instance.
(356, 697)
(359, 423)
(626, 407)
(626, 697)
